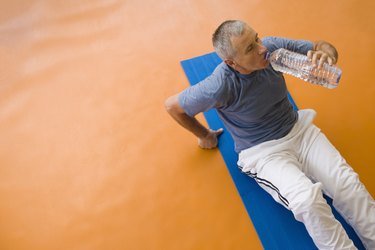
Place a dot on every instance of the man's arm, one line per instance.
(324, 52)
(207, 138)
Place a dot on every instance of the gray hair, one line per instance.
(222, 35)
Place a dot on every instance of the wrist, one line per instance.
(204, 133)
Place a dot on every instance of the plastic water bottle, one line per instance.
(300, 66)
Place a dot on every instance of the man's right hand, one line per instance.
(207, 138)
(210, 140)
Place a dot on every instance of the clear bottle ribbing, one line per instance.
(300, 66)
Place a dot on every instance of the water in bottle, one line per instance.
(300, 66)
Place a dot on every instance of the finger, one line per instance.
(203, 145)
(309, 54)
(314, 58)
(330, 61)
(322, 60)
(208, 144)
(334, 60)
(219, 131)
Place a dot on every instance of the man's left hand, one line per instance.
(323, 57)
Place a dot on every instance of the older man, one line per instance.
(279, 147)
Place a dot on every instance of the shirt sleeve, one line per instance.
(299, 46)
(202, 96)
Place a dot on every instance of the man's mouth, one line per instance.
(266, 55)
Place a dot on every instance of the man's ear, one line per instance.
(230, 63)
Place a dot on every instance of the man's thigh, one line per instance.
(281, 176)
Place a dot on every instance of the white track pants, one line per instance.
(297, 168)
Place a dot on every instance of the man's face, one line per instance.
(250, 54)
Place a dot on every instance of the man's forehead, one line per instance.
(250, 31)
(248, 34)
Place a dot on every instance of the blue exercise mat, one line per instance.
(275, 225)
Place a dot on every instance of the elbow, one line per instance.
(170, 104)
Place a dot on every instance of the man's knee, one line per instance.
(308, 200)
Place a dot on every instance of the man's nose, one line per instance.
(262, 49)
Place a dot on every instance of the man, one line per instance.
(279, 147)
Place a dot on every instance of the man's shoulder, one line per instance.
(218, 81)
(223, 72)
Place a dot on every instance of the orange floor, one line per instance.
(89, 159)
